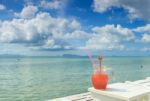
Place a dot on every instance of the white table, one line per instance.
(122, 92)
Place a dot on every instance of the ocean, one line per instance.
(44, 78)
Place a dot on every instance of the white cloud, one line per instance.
(43, 30)
(28, 11)
(146, 38)
(135, 8)
(50, 44)
(75, 25)
(48, 32)
(143, 29)
(77, 34)
(102, 43)
(103, 5)
(109, 37)
(55, 4)
(2, 7)
(116, 32)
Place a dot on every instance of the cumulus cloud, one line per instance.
(109, 37)
(77, 34)
(143, 29)
(48, 33)
(2, 7)
(103, 5)
(133, 7)
(51, 44)
(28, 11)
(119, 33)
(55, 4)
(146, 38)
(43, 30)
(75, 25)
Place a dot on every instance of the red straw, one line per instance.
(100, 62)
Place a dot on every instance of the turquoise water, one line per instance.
(43, 78)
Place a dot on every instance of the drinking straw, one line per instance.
(90, 58)
(100, 62)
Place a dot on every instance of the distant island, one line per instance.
(19, 56)
(72, 56)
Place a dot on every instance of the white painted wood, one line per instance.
(78, 97)
(129, 91)
(145, 82)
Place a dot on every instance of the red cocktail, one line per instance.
(99, 80)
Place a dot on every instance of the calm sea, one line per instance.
(43, 78)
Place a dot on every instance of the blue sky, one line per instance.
(57, 27)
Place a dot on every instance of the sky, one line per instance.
(57, 27)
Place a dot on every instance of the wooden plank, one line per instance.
(145, 82)
(78, 97)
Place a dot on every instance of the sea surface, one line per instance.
(43, 78)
